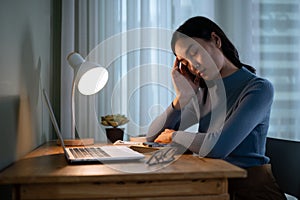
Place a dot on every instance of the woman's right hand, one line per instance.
(185, 87)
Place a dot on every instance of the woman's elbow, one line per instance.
(218, 154)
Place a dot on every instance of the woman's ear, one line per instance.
(216, 39)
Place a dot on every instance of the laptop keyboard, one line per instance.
(84, 152)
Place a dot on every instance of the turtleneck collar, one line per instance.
(238, 79)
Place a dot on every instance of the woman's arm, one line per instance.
(174, 119)
(250, 110)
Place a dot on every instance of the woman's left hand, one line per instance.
(165, 137)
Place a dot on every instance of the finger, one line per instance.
(157, 140)
(175, 72)
(168, 130)
(197, 80)
(176, 63)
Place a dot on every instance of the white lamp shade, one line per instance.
(89, 77)
(93, 80)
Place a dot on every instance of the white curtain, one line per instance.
(109, 32)
(139, 75)
(67, 46)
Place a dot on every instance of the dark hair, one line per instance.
(201, 27)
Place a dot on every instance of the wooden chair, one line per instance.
(285, 160)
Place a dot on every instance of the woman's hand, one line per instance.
(165, 137)
(185, 87)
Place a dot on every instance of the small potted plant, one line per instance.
(115, 133)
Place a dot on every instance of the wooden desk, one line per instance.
(45, 174)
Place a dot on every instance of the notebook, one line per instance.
(100, 154)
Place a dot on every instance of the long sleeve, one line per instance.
(170, 118)
(174, 119)
(248, 115)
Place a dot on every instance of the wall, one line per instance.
(25, 68)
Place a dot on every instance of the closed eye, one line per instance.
(193, 51)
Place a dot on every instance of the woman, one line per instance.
(230, 104)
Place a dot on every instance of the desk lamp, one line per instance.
(90, 79)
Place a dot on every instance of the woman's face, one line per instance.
(203, 58)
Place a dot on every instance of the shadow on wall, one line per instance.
(30, 109)
(21, 117)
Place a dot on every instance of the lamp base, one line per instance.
(77, 142)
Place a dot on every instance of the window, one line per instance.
(276, 40)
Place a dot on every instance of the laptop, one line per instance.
(92, 154)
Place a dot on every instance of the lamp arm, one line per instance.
(73, 109)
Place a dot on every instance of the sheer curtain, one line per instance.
(139, 78)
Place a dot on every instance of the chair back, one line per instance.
(285, 160)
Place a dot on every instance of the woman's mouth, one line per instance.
(201, 72)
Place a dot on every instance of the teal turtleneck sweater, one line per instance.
(233, 116)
